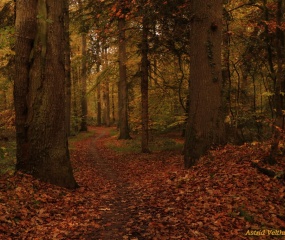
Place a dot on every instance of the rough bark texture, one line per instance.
(99, 110)
(205, 126)
(42, 148)
(122, 86)
(279, 88)
(83, 96)
(106, 94)
(67, 67)
(83, 85)
(144, 87)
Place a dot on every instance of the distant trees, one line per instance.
(39, 91)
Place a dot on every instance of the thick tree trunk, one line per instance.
(205, 126)
(83, 97)
(144, 87)
(122, 86)
(67, 68)
(39, 92)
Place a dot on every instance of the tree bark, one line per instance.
(122, 85)
(84, 85)
(205, 126)
(279, 88)
(67, 67)
(39, 92)
(84, 110)
(144, 87)
(98, 96)
(106, 92)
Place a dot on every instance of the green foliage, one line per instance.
(7, 37)
(80, 136)
(127, 146)
(156, 145)
(245, 214)
(165, 144)
(7, 157)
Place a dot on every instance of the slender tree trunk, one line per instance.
(39, 92)
(99, 109)
(113, 104)
(205, 126)
(75, 98)
(107, 99)
(144, 87)
(122, 86)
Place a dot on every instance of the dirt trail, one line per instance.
(116, 208)
(135, 196)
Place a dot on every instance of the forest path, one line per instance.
(135, 196)
(116, 200)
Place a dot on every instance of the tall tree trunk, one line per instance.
(205, 126)
(107, 103)
(99, 109)
(279, 87)
(106, 92)
(39, 92)
(98, 89)
(67, 67)
(122, 86)
(75, 100)
(144, 86)
(113, 104)
(84, 85)
(83, 126)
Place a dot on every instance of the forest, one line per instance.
(142, 119)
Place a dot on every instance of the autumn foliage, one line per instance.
(147, 196)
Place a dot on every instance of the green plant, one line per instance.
(7, 157)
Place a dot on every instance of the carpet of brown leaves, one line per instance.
(148, 196)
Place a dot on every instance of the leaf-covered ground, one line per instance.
(148, 196)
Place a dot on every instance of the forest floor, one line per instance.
(128, 195)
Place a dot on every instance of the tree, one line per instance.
(39, 92)
(205, 123)
(122, 85)
(106, 87)
(67, 68)
(83, 126)
(144, 85)
(279, 87)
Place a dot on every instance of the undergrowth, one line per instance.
(157, 144)
(7, 157)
